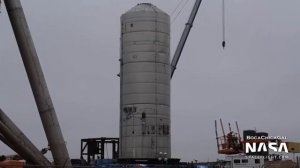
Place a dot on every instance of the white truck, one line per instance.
(243, 161)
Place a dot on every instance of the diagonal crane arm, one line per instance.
(184, 36)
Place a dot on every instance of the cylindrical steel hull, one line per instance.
(145, 83)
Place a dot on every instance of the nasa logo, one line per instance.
(262, 147)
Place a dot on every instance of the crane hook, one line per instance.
(223, 23)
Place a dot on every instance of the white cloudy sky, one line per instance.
(254, 81)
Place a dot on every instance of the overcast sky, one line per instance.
(254, 81)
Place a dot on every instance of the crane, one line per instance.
(184, 36)
(186, 31)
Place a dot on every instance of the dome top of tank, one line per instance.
(146, 7)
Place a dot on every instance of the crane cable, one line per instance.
(179, 12)
(223, 23)
(176, 7)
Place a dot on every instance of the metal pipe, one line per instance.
(225, 140)
(216, 130)
(38, 83)
(24, 141)
(238, 130)
(21, 146)
(184, 36)
(20, 152)
(6, 142)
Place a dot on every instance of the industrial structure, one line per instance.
(231, 143)
(145, 83)
(228, 143)
(145, 75)
(94, 148)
